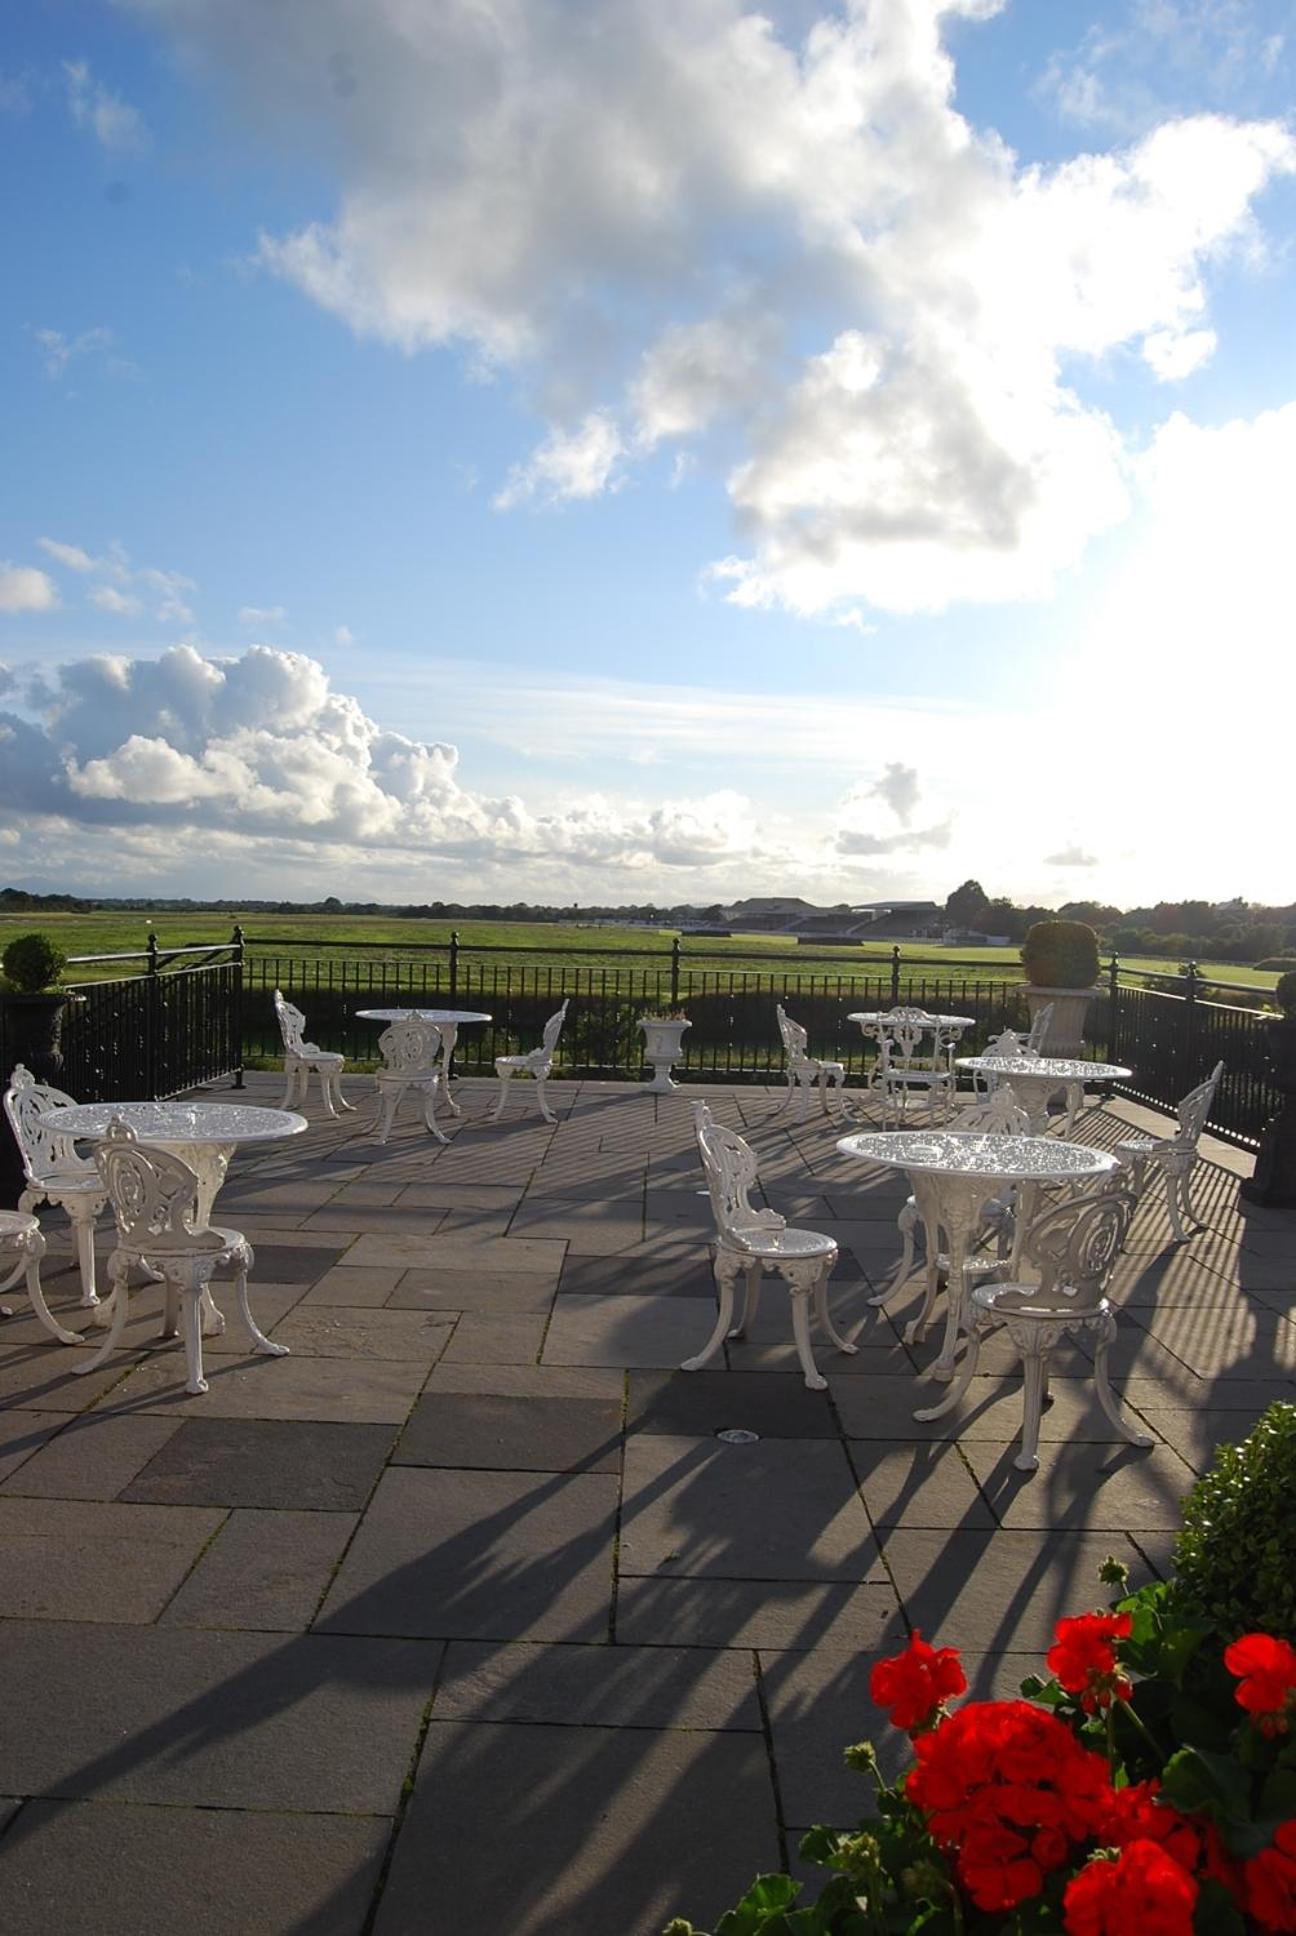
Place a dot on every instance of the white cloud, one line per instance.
(685, 222)
(255, 615)
(23, 588)
(344, 636)
(109, 599)
(126, 589)
(1121, 74)
(114, 123)
(1072, 856)
(58, 349)
(69, 555)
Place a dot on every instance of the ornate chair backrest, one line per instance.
(44, 1152)
(1075, 1244)
(292, 1023)
(794, 1036)
(553, 1028)
(1010, 1044)
(154, 1196)
(730, 1167)
(409, 1047)
(1039, 1029)
(1195, 1108)
(998, 1114)
(900, 1037)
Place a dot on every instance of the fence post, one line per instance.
(237, 1005)
(1113, 1008)
(153, 1015)
(454, 961)
(895, 973)
(675, 971)
(1188, 1048)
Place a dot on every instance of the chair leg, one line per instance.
(1106, 1396)
(1034, 1382)
(1185, 1198)
(263, 1346)
(502, 1098)
(191, 1324)
(290, 1083)
(541, 1098)
(118, 1271)
(388, 1097)
(751, 1301)
(37, 1295)
(906, 1224)
(801, 1295)
(1172, 1205)
(725, 1281)
(326, 1092)
(85, 1242)
(429, 1111)
(335, 1081)
(803, 1101)
(966, 1373)
(824, 1315)
(170, 1310)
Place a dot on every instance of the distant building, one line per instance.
(874, 920)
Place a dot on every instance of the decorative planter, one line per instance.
(1066, 1028)
(31, 1031)
(663, 1045)
(1274, 1181)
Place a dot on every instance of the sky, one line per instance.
(619, 451)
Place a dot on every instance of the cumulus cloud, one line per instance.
(24, 588)
(123, 588)
(114, 123)
(255, 615)
(679, 223)
(1071, 856)
(899, 790)
(1118, 76)
(261, 745)
(69, 555)
(109, 599)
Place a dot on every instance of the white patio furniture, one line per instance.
(804, 1070)
(999, 1114)
(53, 1171)
(1073, 1246)
(300, 1057)
(1036, 1078)
(1009, 1043)
(537, 1063)
(409, 1051)
(915, 1057)
(954, 1174)
(1174, 1156)
(154, 1197)
(751, 1242)
(448, 1022)
(21, 1248)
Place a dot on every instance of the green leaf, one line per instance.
(819, 1844)
(761, 1911)
(1216, 1913)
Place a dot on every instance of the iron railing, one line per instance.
(187, 1015)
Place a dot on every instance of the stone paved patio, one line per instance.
(461, 1618)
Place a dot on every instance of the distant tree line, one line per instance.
(1235, 930)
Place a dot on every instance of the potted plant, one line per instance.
(663, 1045)
(1274, 1181)
(33, 1004)
(1061, 963)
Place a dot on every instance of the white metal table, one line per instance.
(447, 1021)
(880, 1025)
(954, 1173)
(1035, 1077)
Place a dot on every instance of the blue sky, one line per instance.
(634, 451)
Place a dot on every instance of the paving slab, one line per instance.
(39, 1378)
(666, 1271)
(334, 1331)
(918, 1485)
(211, 1720)
(480, 1556)
(1001, 1592)
(758, 1613)
(490, 1293)
(782, 1509)
(1102, 1488)
(374, 1390)
(436, 1194)
(530, 1381)
(479, 1339)
(92, 1458)
(991, 1409)
(1197, 1435)
(535, 1254)
(587, 1229)
(264, 1570)
(354, 1285)
(207, 1871)
(597, 1686)
(71, 1559)
(295, 1263)
(513, 1433)
(698, 1404)
(274, 1463)
(609, 1829)
(22, 1434)
(631, 1331)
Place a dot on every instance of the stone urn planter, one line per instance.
(663, 1046)
(1274, 1181)
(30, 1027)
(1061, 963)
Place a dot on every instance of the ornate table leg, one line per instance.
(927, 1203)
(962, 1200)
(449, 1036)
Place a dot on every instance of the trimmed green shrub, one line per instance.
(1279, 962)
(1236, 1556)
(1060, 954)
(1285, 992)
(32, 962)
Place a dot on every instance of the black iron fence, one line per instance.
(188, 1015)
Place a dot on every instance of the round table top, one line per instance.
(885, 1014)
(1063, 1068)
(457, 1015)
(953, 1152)
(177, 1122)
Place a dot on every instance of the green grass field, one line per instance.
(316, 936)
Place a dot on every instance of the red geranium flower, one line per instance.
(1271, 1881)
(1007, 1789)
(1267, 1670)
(1136, 1815)
(915, 1683)
(1083, 1658)
(1144, 1892)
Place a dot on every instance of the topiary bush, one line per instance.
(1285, 992)
(32, 962)
(1061, 954)
(1236, 1556)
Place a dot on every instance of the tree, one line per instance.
(967, 905)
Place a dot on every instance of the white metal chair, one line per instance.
(1033, 1042)
(154, 1199)
(300, 1057)
(21, 1240)
(409, 1049)
(904, 1067)
(999, 1114)
(53, 1171)
(1174, 1156)
(537, 1063)
(1073, 1246)
(804, 1070)
(750, 1242)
